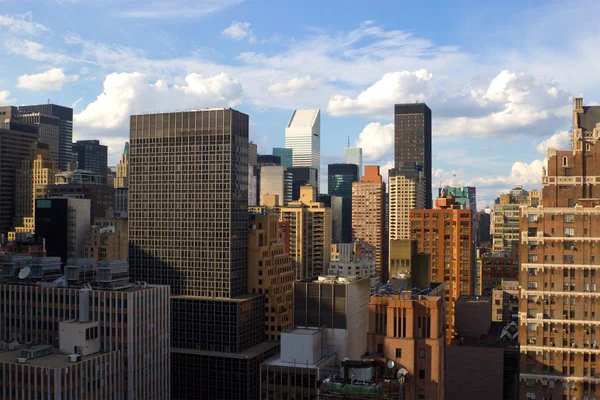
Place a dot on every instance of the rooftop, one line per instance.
(248, 353)
(54, 360)
(303, 118)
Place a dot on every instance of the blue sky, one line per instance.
(498, 77)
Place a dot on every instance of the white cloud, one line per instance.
(5, 99)
(529, 105)
(377, 141)
(130, 93)
(521, 173)
(292, 86)
(178, 9)
(239, 31)
(53, 79)
(21, 24)
(558, 141)
(393, 87)
(34, 51)
(384, 169)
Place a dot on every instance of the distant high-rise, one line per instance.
(303, 136)
(188, 227)
(406, 188)
(412, 140)
(368, 215)
(353, 155)
(16, 139)
(122, 179)
(339, 182)
(302, 176)
(36, 170)
(92, 156)
(275, 179)
(65, 116)
(286, 155)
(310, 234)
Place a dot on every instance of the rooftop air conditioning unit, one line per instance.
(74, 358)
(21, 360)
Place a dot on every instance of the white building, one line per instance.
(349, 259)
(353, 155)
(406, 192)
(303, 135)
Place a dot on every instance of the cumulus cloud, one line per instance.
(5, 98)
(290, 87)
(559, 141)
(528, 103)
(21, 24)
(53, 79)
(378, 99)
(130, 93)
(239, 31)
(377, 141)
(521, 173)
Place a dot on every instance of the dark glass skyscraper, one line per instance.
(92, 156)
(412, 140)
(286, 155)
(188, 228)
(339, 182)
(303, 176)
(65, 116)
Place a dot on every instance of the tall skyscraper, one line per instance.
(368, 215)
(92, 156)
(353, 155)
(275, 179)
(122, 178)
(339, 182)
(406, 192)
(286, 156)
(310, 234)
(446, 234)
(65, 116)
(16, 139)
(188, 227)
(36, 170)
(412, 140)
(558, 283)
(303, 136)
(302, 176)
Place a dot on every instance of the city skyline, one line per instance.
(505, 105)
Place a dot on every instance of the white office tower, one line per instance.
(353, 155)
(303, 135)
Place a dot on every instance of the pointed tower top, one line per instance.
(126, 149)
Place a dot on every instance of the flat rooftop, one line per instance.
(54, 360)
(248, 353)
(325, 361)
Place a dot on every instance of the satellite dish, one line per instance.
(24, 272)
(402, 372)
(390, 364)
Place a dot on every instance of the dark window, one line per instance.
(380, 348)
(421, 374)
(421, 393)
(398, 353)
(421, 353)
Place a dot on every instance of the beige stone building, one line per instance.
(107, 239)
(310, 234)
(122, 177)
(505, 219)
(270, 272)
(406, 193)
(559, 249)
(37, 170)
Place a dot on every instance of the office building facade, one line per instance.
(412, 140)
(558, 278)
(310, 234)
(65, 118)
(38, 169)
(303, 136)
(302, 176)
(505, 218)
(91, 156)
(64, 224)
(16, 139)
(107, 239)
(285, 155)
(339, 183)
(188, 173)
(276, 180)
(406, 192)
(131, 320)
(368, 215)
(334, 203)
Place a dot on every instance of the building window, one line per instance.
(421, 393)
(421, 353)
(398, 353)
(421, 374)
(569, 218)
(380, 348)
(565, 162)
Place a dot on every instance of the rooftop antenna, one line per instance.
(348, 141)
